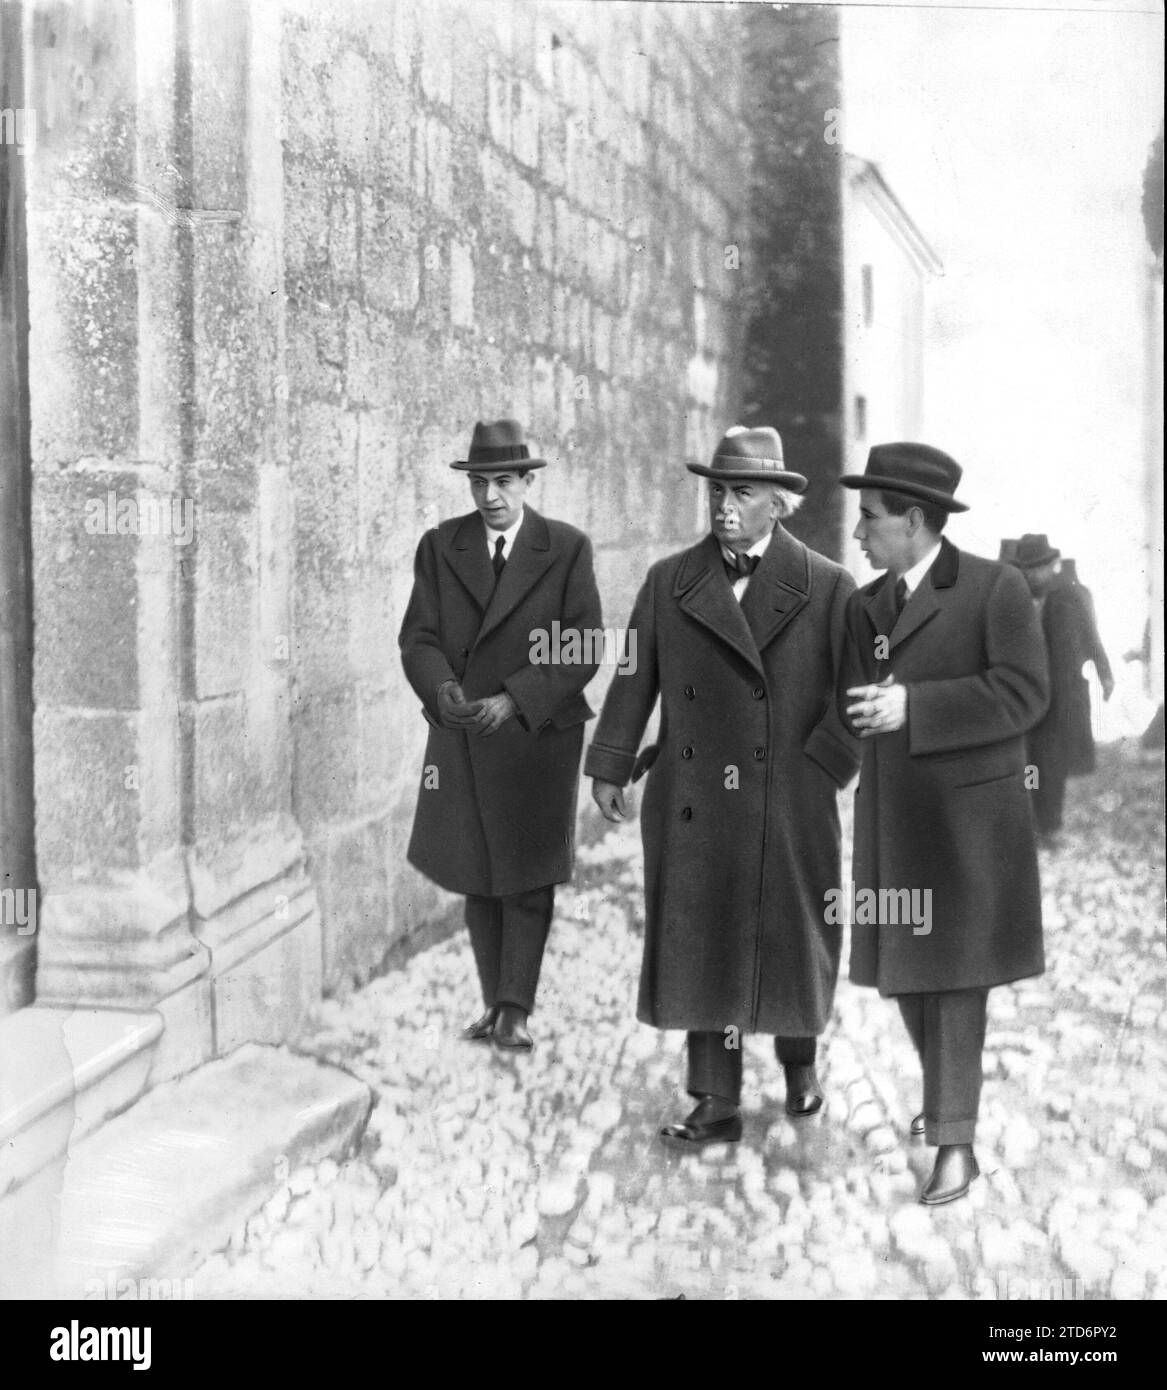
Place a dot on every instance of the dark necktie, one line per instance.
(741, 566)
(901, 594)
(499, 558)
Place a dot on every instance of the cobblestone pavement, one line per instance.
(540, 1176)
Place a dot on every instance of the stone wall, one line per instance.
(281, 259)
(489, 210)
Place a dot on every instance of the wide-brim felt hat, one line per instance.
(916, 470)
(746, 455)
(495, 446)
(1033, 550)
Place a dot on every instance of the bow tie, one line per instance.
(741, 566)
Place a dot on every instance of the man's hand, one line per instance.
(454, 710)
(493, 713)
(878, 709)
(609, 798)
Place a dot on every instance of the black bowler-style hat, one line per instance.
(498, 445)
(750, 456)
(1033, 550)
(916, 470)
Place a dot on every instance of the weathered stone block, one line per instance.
(87, 815)
(352, 99)
(85, 583)
(82, 90)
(268, 997)
(83, 300)
(461, 285)
(218, 42)
(327, 758)
(225, 600)
(352, 872)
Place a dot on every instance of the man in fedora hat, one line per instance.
(944, 674)
(739, 637)
(1062, 744)
(497, 802)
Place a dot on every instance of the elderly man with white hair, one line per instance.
(740, 638)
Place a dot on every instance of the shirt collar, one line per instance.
(913, 578)
(758, 547)
(508, 536)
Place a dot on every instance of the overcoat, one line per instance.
(1064, 739)
(739, 817)
(942, 804)
(496, 815)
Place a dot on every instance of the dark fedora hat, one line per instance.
(496, 445)
(1008, 555)
(750, 456)
(1034, 550)
(916, 470)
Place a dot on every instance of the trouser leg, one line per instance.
(796, 1052)
(484, 922)
(912, 1009)
(951, 1024)
(715, 1069)
(1049, 795)
(526, 921)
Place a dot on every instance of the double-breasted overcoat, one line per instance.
(496, 815)
(942, 804)
(739, 817)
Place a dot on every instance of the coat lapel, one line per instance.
(529, 560)
(469, 560)
(779, 588)
(921, 608)
(702, 588)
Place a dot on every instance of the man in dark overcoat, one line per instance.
(1062, 744)
(739, 637)
(497, 595)
(944, 675)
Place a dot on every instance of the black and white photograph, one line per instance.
(581, 660)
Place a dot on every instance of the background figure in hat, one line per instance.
(496, 807)
(740, 637)
(944, 673)
(1062, 745)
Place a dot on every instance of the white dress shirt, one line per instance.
(741, 584)
(912, 578)
(508, 536)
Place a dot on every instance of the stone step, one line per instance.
(64, 1072)
(157, 1189)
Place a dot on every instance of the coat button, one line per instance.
(689, 692)
(686, 752)
(686, 813)
(759, 754)
(759, 692)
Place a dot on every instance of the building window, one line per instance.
(868, 295)
(860, 417)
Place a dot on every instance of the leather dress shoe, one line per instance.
(481, 1029)
(803, 1096)
(917, 1126)
(510, 1029)
(955, 1168)
(705, 1126)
